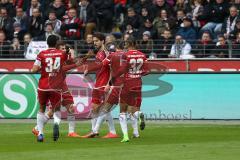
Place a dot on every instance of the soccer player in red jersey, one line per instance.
(102, 80)
(134, 67)
(49, 62)
(67, 99)
(114, 89)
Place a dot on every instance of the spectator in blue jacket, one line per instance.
(187, 31)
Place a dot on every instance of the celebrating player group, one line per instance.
(118, 81)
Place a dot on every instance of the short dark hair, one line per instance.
(120, 44)
(60, 43)
(49, 24)
(52, 11)
(99, 36)
(52, 40)
(131, 41)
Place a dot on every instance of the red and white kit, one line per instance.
(103, 77)
(134, 68)
(51, 62)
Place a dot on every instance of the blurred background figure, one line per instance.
(145, 45)
(180, 49)
(4, 46)
(56, 23)
(71, 26)
(16, 49)
(221, 48)
(86, 45)
(27, 39)
(163, 45)
(204, 46)
(87, 13)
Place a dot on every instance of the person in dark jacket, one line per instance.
(143, 4)
(9, 6)
(36, 23)
(236, 46)
(204, 47)
(21, 18)
(230, 22)
(214, 13)
(222, 48)
(87, 13)
(162, 4)
(163, 46)
(232, 35)
(148, 26)
(131, 19)
(6, 23)
(4, 46)
(187, 31)
(104, 11)
(58, 7)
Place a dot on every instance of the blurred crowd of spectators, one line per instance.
(163, 28)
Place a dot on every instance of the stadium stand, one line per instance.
(210, 27)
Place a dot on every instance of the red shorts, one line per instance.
(132, 92)
(67, 98)
(54, 97)
(98, 95)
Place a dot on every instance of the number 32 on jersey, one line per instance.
(136, 65)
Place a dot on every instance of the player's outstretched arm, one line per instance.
(35, 69)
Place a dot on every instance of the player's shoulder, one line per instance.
(53, 52)
(117, 53)
(135, 53)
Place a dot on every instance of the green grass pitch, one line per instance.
(157, 142)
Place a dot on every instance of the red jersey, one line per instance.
(116, 60)
(103, 74)
(50, 61)
(134, 65)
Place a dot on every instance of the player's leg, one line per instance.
(134, 115)
(56, 123)
(49, 115)
(68, 103)
(124, 97)
(123, 121)
(138, 112)
(134, 111)
(95, 109)
(41, 117)
(100, 119)
(112, 131)
(41, 121)
(97, 96)
(71, 121)
(111, 100)
(55, 100)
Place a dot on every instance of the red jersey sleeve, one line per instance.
(38, 61)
